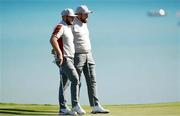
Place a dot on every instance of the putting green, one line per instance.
(163, 109)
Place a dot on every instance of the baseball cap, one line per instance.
(83, 9)
(68, 12)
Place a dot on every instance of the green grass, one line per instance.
(163, 109)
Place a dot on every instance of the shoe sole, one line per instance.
(81, 113)
(100, 112)
(67, 114)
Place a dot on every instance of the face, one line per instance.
(69, 20)
(84, 17)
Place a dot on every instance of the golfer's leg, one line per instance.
(79, 71)
(70, 71)
(90, 75)
(79, 61)
(64, 82)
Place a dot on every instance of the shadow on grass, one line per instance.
(26, 112)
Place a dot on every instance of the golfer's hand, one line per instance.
(60, 59)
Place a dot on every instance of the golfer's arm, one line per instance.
(55, 45)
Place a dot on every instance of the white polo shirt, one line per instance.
(65, 39)
(81, 37)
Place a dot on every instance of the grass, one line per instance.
(163, 109)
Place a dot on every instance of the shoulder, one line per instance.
(59, 26)
(57, 29)
(76, 26)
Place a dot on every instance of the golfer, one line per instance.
(62, 43)
(83, 59)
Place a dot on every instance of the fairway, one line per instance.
(163, 109)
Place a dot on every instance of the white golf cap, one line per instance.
(83, 9)
(68, 12)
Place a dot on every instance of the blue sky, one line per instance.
(137, 56)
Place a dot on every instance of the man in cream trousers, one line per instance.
(83, 59)
(62, 43)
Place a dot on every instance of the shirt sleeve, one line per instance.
(58, 31)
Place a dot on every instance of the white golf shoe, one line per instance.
(66, 111)
(99, 109)
(78, 109)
